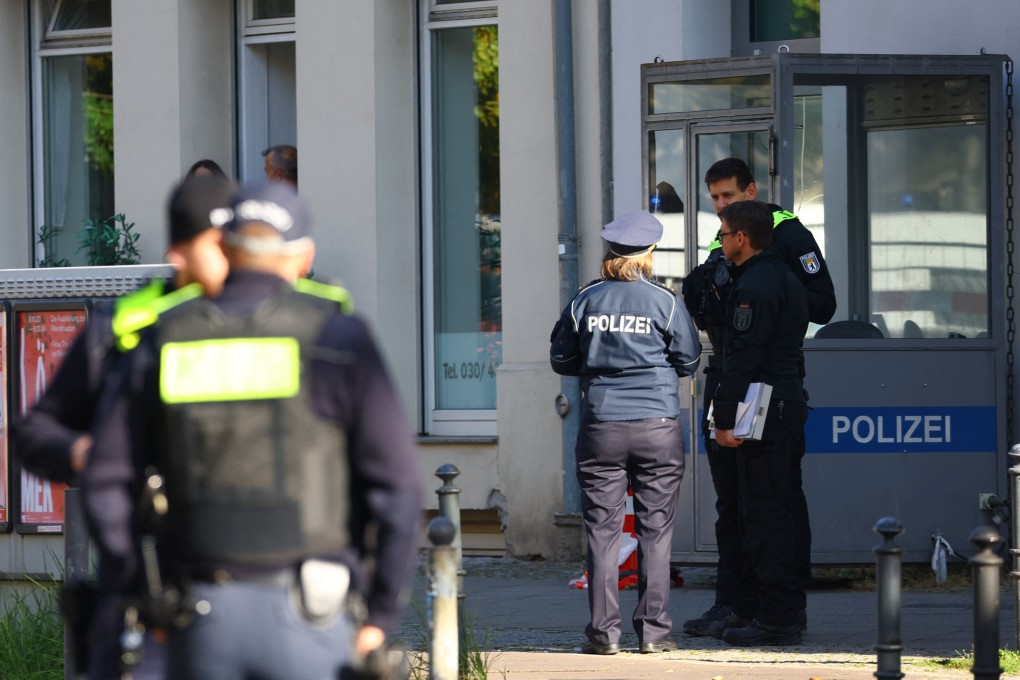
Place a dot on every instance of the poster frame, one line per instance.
(6, 463)
(14, 475)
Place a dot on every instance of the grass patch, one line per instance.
(1009, 660)
(31, 634)
(475, 656)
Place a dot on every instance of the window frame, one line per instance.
(436, 421)
(50, 38)
(793, 70)
(740, 37)
(251, 27)
(43, 46)
(251, 102)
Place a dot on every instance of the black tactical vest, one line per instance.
(253, 475)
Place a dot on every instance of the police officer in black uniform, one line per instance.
(271, 416)
(53, 440)
(630, 341)
(767, 317)
(705, 291)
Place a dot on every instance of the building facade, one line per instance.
(460, 158)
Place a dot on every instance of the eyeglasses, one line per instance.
(724, 234)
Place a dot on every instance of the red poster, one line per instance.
(45, 336)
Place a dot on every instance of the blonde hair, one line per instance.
(626, 268)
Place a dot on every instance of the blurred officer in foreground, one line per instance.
(630, 341)
(53, 441)
(767, 317)
(705, 290)
(269, 414)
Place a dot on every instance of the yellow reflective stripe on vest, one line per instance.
(780, 216)
(133, 317)
(144, 295)
(234, 369)
(324, 290)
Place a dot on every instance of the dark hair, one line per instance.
(210, 165)
(751, 217)
(730, 167)
(283, 157)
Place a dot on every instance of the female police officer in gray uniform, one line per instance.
(629, 340)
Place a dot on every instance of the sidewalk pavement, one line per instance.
(529, 624)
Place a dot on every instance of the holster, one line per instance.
(323, 588)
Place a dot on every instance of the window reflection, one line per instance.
(273, 9)
(927, 194)
(715, 94)
(668, 179)
(78, 15)
(785, 19)
(78, 150)
(466, 217)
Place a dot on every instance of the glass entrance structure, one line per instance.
(898, 166)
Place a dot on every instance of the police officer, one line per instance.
(282, 442)
(767, 317)
(705, 291)
(630, 342)
(53, 440)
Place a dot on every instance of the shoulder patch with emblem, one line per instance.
(810, 263)
(742, 316)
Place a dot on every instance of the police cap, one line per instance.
(632, 234)
(197, 204)
(275, 205)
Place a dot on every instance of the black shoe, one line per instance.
(802, 620)
(667, 645)
(702, 624)
(731, 621)
(602, 650)
(760, 634)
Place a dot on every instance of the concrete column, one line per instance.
(357, 147)
(173, 97)
(15, 173)
(528, 428)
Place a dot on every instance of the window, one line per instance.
(890, 170)
(765, 26)
(73, 105)
(462, 223)
(917, 262)
(773, 20)
(268, 92)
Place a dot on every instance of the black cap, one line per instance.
(273, 204)
(633, 233)
(197, 204)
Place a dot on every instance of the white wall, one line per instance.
(357, 150)
(530, 457)
(920, 27)
(172, 84)
(672, 30)
(15, 171)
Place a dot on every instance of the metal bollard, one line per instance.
(449, 507)
(985, 567)
(888, 577)
(76, 562)
(444, 651)
(1014, 574)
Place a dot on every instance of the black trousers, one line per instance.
(649, 456)
(773, 516)
(729, 531)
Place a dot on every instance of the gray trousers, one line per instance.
(255, 632)
(649, 456)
